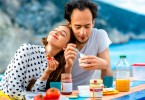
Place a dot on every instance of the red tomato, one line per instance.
(49, 57)
(38, 97)
(45, 98)
(53, 93)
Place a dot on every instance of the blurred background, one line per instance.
(27, 21)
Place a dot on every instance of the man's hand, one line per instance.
(70, 55)
(92, 63)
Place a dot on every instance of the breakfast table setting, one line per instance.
(98, 89)
(137, 91)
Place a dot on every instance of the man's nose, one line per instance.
(83, 31)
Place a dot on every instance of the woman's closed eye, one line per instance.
(63, 33)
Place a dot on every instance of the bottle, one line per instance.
(66, 84)
(123, 75)
(96, 89)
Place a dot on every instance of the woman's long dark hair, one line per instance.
(56, 74)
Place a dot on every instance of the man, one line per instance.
(80, 16)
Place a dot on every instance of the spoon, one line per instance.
(81, 54)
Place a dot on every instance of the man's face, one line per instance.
(81, 24)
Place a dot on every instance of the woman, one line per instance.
(30, 62)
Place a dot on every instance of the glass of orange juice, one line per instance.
(123, 85)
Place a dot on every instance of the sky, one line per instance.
(137, 6)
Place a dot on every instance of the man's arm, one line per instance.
(70, 55)
(105, 55)
(101, 62)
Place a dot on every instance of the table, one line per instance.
(129, 94)
(137, 91)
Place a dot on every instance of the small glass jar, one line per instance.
(96, 89)
(66, 84)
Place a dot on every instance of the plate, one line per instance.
(110, 92)
(31, 95)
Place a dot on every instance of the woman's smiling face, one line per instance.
(59, 37)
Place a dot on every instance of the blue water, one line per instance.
(140, 95)
(134, 50)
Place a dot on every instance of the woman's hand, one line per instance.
(51, 66)
(70, 55)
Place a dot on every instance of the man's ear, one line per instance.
(93, 23)
(68, 23)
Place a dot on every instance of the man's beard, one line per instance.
(77, 41)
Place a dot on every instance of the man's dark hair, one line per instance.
(81, 5)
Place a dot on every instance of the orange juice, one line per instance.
(123, 85)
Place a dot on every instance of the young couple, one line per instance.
(30, 61)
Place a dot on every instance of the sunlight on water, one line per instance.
(131, 5)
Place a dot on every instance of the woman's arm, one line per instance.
(15, 73)
(40, 83)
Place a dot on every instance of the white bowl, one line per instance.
(84, 90)
(138, 71)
